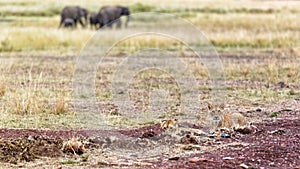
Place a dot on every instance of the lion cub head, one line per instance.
(215, 115)
(169, 124)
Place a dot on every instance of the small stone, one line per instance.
(244, 130)
(197, 159)
(228, 158)
(188, 140)
(191, 147)
(278, 131)
(188, 147)
(174, 158)
(244, 165)
(102, 163)
(258, 109)
(121, 92)
(225, 135)
(148, 134)
(281, 84)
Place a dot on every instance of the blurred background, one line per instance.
(229, 25)
(258, 44)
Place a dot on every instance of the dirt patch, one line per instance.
(144, 132)
(29, 148)
(273, 143)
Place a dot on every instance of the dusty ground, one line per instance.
(258, 43)
(273, 143)
(270, 101)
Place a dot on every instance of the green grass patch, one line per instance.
(84, 158)
(139, 7)
(68, 162)
(32, 12)
(274, 114)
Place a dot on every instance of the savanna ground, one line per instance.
(258, 45)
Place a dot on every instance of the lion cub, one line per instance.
(218, 119)
(169, 124)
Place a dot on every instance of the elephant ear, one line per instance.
(82, 11)
(102, 18)
(85, 11)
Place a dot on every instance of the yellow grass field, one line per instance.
(258, 47)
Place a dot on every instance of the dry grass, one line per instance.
(44, 102)
(26, 100)
(61, 105)
(270, 71)
(36, 5)
(25, 103)
(42, 96)
(30, 38)
(238, 27)
(40, 39)
(2, 86)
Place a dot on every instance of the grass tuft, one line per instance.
(139, 7)
(68, 162)
(28, 99)
(25, 103)
(2, 87)
(274, 114)
(61, 105)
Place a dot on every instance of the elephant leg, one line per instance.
(127, 20)
(75, 23)
(119, 23)
(110, 24)
(81, 23)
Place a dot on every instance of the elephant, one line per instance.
(94, 20)
(75, 13)
(68, 22)
(107, 14)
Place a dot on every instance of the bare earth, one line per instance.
(274, 140)
(273, 143)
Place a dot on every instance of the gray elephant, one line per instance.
(68, 22)
(75, 13)
(107, 14)
(94, 20)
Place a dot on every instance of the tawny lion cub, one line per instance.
(219, 119)
(169, 124)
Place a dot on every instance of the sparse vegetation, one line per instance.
(27, 100)
(257, 41)
(61, 105)
(2, 86)
(240, 30)
(236, 27)
(274, 114)
(139, 7)
(69, 162)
